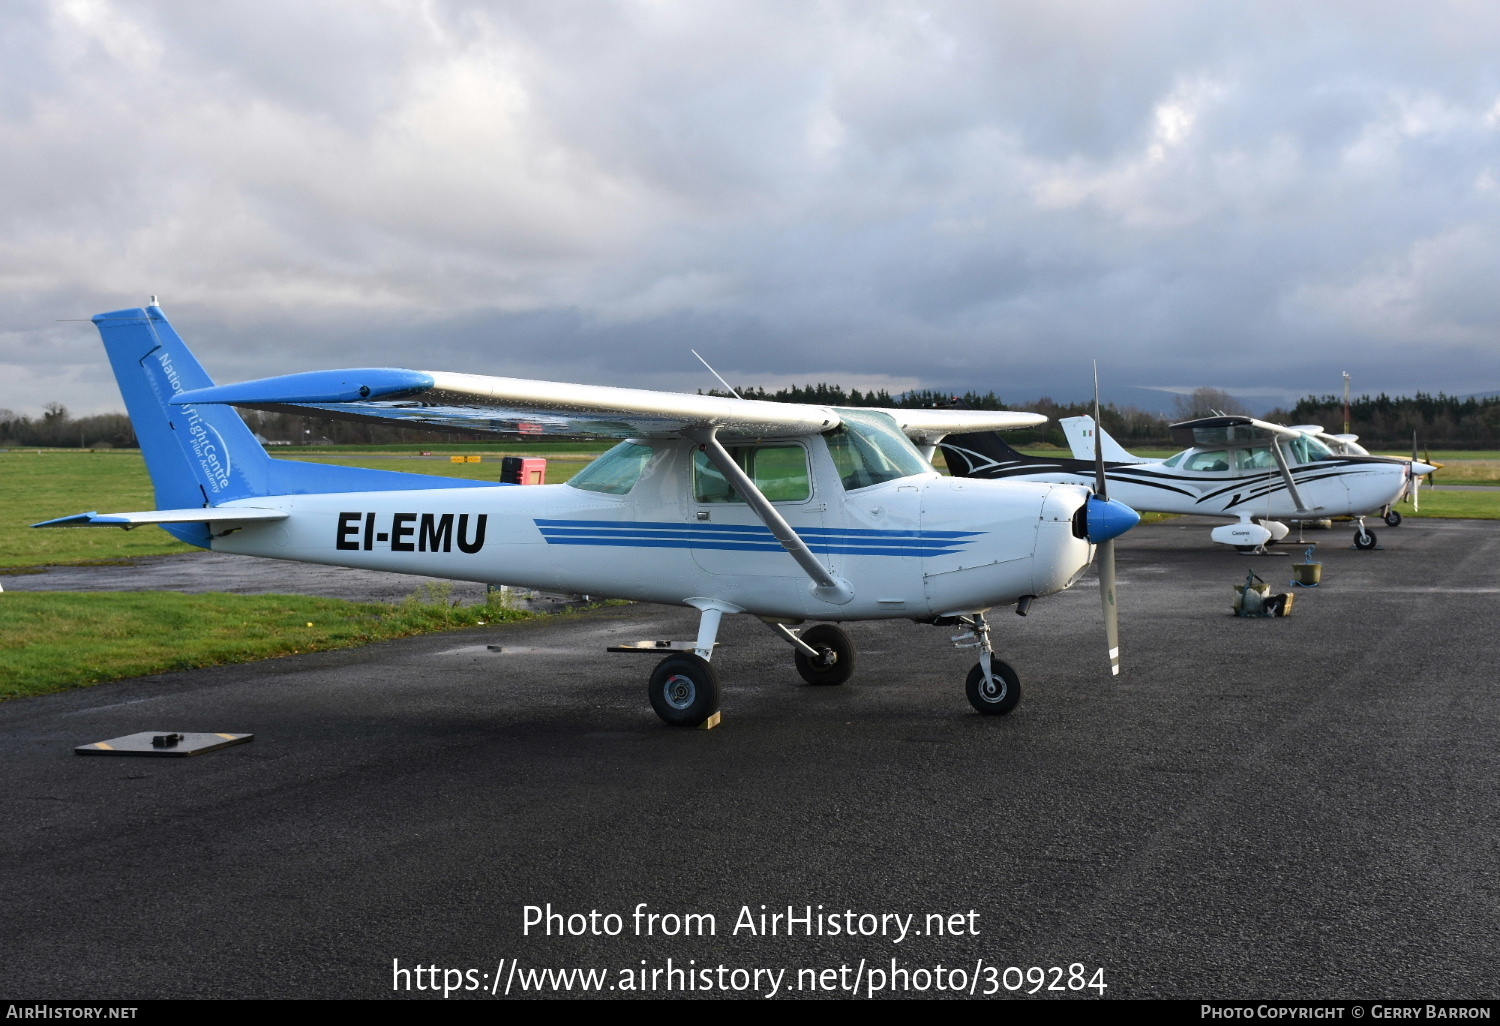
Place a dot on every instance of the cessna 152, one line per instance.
(1257, 473)
(785, 512)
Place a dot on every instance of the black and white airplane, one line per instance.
(1255, 473)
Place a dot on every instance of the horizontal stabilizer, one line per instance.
(209, 515)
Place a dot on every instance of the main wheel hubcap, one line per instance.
(680, 691)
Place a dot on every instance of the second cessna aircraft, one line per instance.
(1255, 473)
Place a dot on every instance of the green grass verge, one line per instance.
(1455, 505)
(1443, 455)
(53, 641)
(55, 483)
(559, 468)
(496, 449)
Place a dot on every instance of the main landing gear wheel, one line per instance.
(1364, 539)
(1392, 518)
(835, 663)
(996, 698)
(684, 690)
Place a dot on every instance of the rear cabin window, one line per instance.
(1208, 460)
(617, 471)
(779, 471)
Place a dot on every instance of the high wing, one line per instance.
(475, 402)
(928, 427)
(1221, 430)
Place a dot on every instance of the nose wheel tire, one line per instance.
(684, 690)
(835, 663)
(1364, 539)
(1392, 518)
(998, 697)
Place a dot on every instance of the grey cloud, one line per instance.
(960, 195)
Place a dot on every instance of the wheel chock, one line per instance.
(152, 742)
(710, 723)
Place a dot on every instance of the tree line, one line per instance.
(1128, 424)
(56, 428)
(1446, 421)
(1440, 421)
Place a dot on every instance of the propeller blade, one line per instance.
(1111, 610)
(1416, 479)
(1100, 484)
(1107, 521)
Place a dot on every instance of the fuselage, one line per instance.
(1243, 483)
(649, 521)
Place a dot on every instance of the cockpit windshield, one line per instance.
(1309, 450)
(617, 471)
(868, 448)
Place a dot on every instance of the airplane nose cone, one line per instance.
(1418, 467)
(1109, 519)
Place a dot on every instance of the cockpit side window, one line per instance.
(617, 471)
(1174, 460)
(779, 471)
(1208, 460)
(868, 448)
(1258, 458)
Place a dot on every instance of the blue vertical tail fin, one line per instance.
(197, 455)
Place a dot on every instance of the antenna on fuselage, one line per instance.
(716, 374)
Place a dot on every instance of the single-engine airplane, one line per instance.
(1256, 473)
(783, 511)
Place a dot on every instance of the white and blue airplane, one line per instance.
(782, 511)
(1254, 473)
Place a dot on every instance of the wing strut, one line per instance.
(1286, 475)
(826, 586)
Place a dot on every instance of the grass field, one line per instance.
(1455, 505)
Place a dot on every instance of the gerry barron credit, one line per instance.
(905, 972)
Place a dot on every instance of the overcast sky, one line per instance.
(1248, 196)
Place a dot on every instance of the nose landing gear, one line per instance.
(993, 686)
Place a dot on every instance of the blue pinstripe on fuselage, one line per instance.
(754, 538)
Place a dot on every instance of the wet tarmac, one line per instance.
(252, 575)
(1256, 809)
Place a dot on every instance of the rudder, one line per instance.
(197, 455)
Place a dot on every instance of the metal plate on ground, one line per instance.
(654, 646)
(163, 742)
